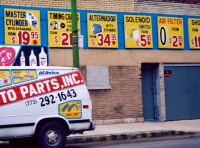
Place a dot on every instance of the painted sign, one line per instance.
(170, 32)
(23, 55)
(23, 75)
(71, 109)
(4, 78)
(22, 27)
(60, 28)
(138, 31)
(194, 33)
(57, 88)
(102, 30)
(8, 55)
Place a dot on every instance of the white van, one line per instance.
(47, 103)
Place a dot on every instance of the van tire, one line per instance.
(57, 133)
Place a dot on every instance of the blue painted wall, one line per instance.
(83, 15)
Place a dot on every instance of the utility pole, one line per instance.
(74, 35)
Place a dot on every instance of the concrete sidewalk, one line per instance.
(128, 131)
(136, 130)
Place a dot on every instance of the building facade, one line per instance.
(131, 83)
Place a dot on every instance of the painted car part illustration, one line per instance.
(1, 81)
(65, 107)
(96, 28)
(56, 25)
(70, 108)
(28, 76)
(17, 78)
(31, 19)
(132, 33)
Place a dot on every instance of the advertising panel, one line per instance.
(22, 27)
(194, 33)
(170, 32)
(138, 31)
(102, 30)
(60, 28)
(57, 88)
(24, 56)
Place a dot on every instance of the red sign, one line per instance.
(40, 87)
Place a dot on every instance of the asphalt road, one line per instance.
(163, 142)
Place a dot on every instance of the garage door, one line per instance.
(182, 92)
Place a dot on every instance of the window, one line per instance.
(98, 77)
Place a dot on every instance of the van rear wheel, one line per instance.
(51, 135)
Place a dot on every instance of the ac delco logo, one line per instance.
(48, 73)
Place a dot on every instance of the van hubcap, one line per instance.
(52, 137)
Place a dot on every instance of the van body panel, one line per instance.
(31, 94)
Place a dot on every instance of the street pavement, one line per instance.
(137, 130)
(129, 131)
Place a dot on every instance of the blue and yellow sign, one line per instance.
(5, 78)
(138, 31)
(22, 27)
(60, 28)
(71, 109)
(23, 75)
(102, 30)
(194, 33)
(170, 32)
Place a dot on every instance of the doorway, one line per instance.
(150, 92)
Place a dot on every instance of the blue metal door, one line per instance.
(149, 91)
(176, 94)
(194, 92)
(182, 92)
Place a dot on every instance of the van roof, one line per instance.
(37, 67)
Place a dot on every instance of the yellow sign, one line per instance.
(102, 30)
(170, 32)
(71, 109)
(22, 27)
(138, 31)
(23, 75)
(60, 28)
(194, 32)
(4, 78)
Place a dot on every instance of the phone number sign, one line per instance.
(194, 33)
(102, 30)
(60, 28)
(170, 32)
(138, 31)
(22, 27)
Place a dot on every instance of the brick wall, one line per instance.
(113, 5)
(167, 8)
(123, 100)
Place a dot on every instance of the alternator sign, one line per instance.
(22, 27)
(102, 30)
(138, 31)
(170, 32)
(60, 28)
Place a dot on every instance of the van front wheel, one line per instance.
(51, 135)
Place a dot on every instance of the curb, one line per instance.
(126, 136)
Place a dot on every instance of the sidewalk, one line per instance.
(136, 130)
